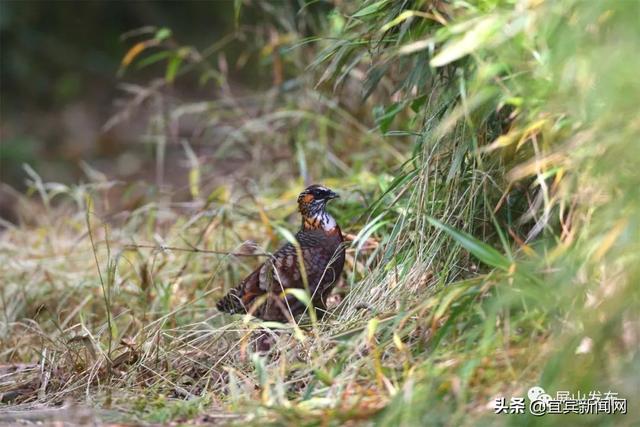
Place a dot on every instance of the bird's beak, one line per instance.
(333, 195)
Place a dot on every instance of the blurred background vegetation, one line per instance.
(60, 73)
(486, 154)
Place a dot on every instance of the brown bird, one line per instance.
(320, 241)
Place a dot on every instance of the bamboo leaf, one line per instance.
(172, 68)
(237, 7)
(152, 59)
(162, 34)
(372, 8)
(480, 250)
(483, 31)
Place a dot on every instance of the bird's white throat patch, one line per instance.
(328, 223)
(321, 220)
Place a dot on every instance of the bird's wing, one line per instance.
(264, 279)
(288, 273)
(282, 271)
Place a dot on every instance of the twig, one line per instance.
(194, 249)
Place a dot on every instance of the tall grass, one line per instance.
(553, 72)
(497, 247)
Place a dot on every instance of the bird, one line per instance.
(321, 244)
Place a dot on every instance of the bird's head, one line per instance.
(313, 200)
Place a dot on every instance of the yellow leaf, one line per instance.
(135, 50)
(398, 342)
(610, 238)
(371, 328)
(194, 182)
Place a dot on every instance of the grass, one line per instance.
(493, 212)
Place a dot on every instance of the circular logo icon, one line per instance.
(535, 393)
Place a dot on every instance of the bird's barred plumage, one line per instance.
(321, 245)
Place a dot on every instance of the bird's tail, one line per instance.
(239, 299)
(232, 302)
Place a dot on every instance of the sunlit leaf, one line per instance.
(300, 294)
(163, 34)
(403, 17)
(372, 8)
(194, 170)
(480, 34)
(172, 68)
(372, 327)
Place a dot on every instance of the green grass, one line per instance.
(495, 207)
